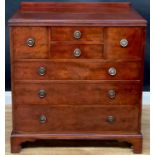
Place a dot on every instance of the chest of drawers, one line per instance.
(77, 72)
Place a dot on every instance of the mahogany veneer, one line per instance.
(77, 72)
(56, 92)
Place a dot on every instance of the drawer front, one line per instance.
(76, 33)
(124, 43)
(68, 119)
(76, 51)
(77, 70)
(77, 93)
(30, 42)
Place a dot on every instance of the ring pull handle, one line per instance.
(30, 42)
(111, 119)
(77, 34)
(77, 52)
(112, 71)
(42, 93)
(124, 42)
(111, 94)
(42, 71)
(42, 119)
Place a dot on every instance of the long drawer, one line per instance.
(77, 70)
(77, 93)
(77, 119)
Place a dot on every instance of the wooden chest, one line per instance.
(77, 72)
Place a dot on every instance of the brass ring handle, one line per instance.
(124, 42)
(112, 71)
(42, 71)
(42, 93)
(42, 119)
(111, 119)
(30, 42)
(77, 52)
(77, 34)
(111, 94)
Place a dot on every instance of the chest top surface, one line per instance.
(76, 14)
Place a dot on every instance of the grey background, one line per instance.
(142, 6)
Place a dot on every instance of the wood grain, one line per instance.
(83, 93)
(67, 7)
(113, 36)
(20, 47)
(64, 51)
(77, 70)
(76, 104)
(75, 119)
(76, 147)
(67, 33)
(83, 14)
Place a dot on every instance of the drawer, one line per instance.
(77, 33)
(77, 70)
(72, 51)
(124, 43)
(77, 93)
(75, 119)
(30, 42)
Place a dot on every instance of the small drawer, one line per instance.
(62, 51)
(77, 93)
(75, 119)
(124, 43)
(70, 69)
(77, 33)
(30, 42)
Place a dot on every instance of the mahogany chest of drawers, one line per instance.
(77, 72)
